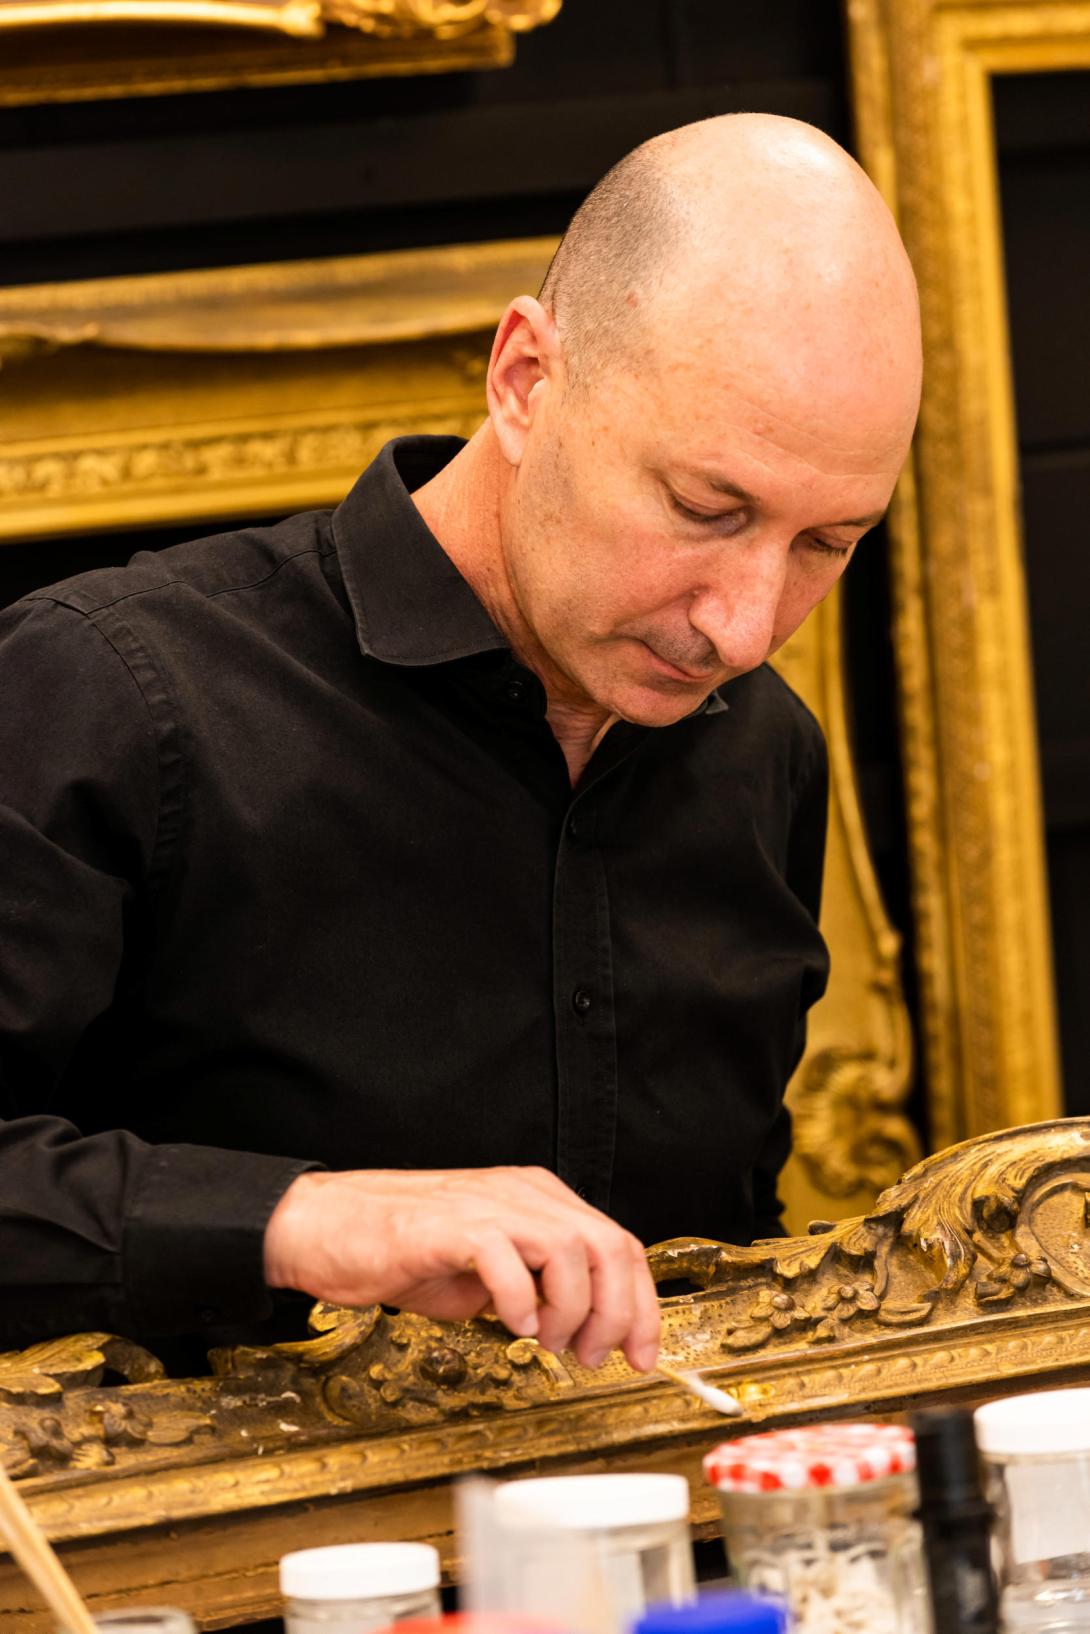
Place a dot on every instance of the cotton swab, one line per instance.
(721, 1400)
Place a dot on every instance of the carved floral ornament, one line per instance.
(414, 21)
(445, 19)
(972, 1269)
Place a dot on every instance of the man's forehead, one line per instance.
(710, 382)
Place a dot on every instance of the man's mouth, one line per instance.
(675, 672)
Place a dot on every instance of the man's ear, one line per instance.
(525, 362)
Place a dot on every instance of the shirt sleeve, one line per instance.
(805, 868)
(89, 1222)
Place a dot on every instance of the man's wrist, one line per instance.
(283, 1230)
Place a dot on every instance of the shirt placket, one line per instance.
(586, 1034)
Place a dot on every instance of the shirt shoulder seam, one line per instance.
(166, 834)
(168, 584)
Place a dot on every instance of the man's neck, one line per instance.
(461, 506)
(578, 733)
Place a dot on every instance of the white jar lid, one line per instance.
(359, 1571)
(592, 1503)
(1049, 1421)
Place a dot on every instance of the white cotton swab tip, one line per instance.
(721, 1400)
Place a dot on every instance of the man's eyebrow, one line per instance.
(723, 485)
(870, 521)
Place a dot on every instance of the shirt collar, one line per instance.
(410, 604)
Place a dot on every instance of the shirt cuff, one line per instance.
(194, 1237)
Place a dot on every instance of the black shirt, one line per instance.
(292, 872)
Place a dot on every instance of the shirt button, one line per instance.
(581, 1191)
(581, 1001)
(515, 692)
(574, 827)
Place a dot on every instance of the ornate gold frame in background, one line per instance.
(90, 50)
(922, 72)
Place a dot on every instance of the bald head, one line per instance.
(751, 234)
(690, 432)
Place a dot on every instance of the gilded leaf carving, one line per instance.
(972, 1240)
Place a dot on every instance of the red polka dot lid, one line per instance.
(825, 1455)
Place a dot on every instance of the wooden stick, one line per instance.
(35, 1554)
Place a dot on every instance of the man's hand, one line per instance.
(451, 1243)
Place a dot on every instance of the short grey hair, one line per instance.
(609, 261)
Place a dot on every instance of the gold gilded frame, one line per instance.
(91, 50)
(144, 400)
(922, 73)
(968, 1278)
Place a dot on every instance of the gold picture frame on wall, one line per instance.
(57, 51)
(922, 74)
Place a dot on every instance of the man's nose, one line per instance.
(738, 612)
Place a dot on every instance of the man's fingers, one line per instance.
(502, 1269)
(642, 1345)
(452, 1244)
(613, 1307)
(620, 1305)
(565, 1289)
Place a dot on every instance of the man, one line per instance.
(460, 842)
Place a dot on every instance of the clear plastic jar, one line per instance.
(352, 1588)
(1036, 1455)
(589, 1553)
(823, 1520)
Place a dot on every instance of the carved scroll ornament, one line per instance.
(968, 1277)
(58, 51)
(442, 19)
(971, 1247)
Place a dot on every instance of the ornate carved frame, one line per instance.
(969, 1277)
(922, 72)
(59, 50)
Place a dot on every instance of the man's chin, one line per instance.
(652, 706)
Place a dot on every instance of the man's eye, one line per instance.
(827, 549)
(700, 516)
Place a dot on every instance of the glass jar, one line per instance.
(351, 1588)
(589, 1553)
(823, 1520)
(1036, 1455)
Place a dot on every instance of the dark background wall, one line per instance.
(1043, 127)
(158, 183)
(253, 175)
